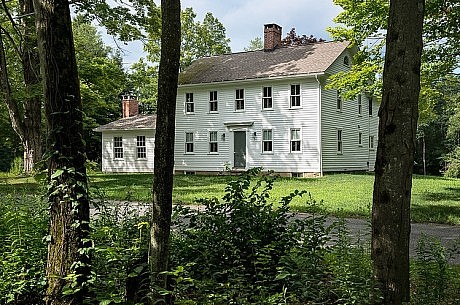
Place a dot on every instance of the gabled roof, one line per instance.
(312, 58)
(140, 121)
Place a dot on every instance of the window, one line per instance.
(371, 142)
(213, 146)
(118, 147)
(189, 105)
(339, 142)
(360, 138)
(141, 148)
(213, 101)
(360, 105)
(295, 96)
(370, 107)
(339, 101)
(189, 142)
(346, 61)
(267, 100)
(239, 99)
(295, 139)
(267, 140)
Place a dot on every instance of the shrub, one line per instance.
(23, 225)
(245, 250)
(453, 163)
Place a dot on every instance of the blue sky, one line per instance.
(244, 19)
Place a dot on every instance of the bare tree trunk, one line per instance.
(164, 142)
(68, 264)
(395, 153)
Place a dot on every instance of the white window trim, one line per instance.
(115, 147)
(360, 139)
(210, 142)
(192, 103)
(138, 147)
(299, 95)
(240, 99)
(193, 143)
(339, 139)
(267, 97)
(216, 101)
(371, 141)
(339, 102)
(360, 105)
(290, 141)
(268, 152)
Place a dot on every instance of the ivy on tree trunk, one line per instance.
(395, 153)
(68, 263)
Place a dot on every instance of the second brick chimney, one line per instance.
(272, 36)
(129, 105)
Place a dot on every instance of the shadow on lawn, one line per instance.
(449, 214)
(449, 193)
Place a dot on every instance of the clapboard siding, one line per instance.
(130, 162)
(253, 120)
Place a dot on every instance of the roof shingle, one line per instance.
(285, 61)
(130, 123)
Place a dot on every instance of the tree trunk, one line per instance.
(395, 153)
(32, 143)
(68, 261)
(164, 142)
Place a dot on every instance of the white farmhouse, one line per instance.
(266, 108)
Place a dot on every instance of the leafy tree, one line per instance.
(102, 80)
(199, 39)
(398, 117)
(255, 44)
(68, 263)
(164, 142)
(24, 101)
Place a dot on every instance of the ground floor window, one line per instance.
(267, 140)
(295, 140)
(189, 142)
(118, 147)
(339, 141)
(141, 148)
(213, 144)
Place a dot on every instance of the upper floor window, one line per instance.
(213, 145)
(370, 106)
(141, 149)
(213, 101)
(295, 96)
(295, 140)
(360, 105)
(189, 105)
(118, 147)
(189, 142)
(339, 141)
(339, 101)
(267, 140)
(267, 99)
(346, 61)
(239, 99)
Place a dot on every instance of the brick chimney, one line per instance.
(272, 36)
(129, 105)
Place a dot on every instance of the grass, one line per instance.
(434, 199)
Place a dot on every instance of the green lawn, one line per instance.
(434, 199)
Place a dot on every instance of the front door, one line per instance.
(239, 148)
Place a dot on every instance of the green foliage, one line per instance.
(452, 160)
(23, 224)
(243, 250)
(120, 269)
(255, 44)
(432, 276)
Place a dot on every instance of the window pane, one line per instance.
(267, 135)
(295, 134)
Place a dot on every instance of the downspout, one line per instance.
(320, 146)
